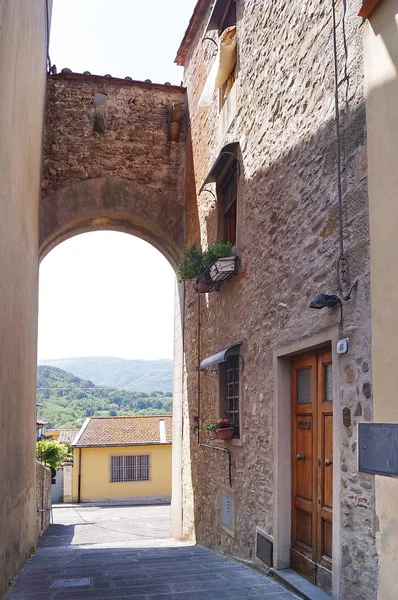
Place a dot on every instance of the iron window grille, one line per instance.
(231, 369)
(130, 468)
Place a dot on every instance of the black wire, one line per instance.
(338, 148)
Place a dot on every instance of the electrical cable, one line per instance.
(341, 270)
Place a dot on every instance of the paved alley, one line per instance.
(104, 553)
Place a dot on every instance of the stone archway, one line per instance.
(113, 203)
(117, 204)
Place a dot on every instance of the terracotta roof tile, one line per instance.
(123, 431)
(67, 435)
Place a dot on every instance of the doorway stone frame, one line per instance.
(282, 455)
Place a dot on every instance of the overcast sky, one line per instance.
(108, 293)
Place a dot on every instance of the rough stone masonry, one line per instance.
(288, 244)
(127, 176)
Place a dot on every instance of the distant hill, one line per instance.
(138, 375)
(67, 400)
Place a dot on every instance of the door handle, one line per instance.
(328, 463)
(301, 457)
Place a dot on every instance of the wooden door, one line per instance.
(312, 467)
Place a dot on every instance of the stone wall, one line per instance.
(288, 243)
(23, 81)
(128, 176)
(43, 498)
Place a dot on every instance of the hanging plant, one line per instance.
(194, 261)
(216, 250)
(191, 264)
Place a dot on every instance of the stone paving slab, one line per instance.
(158, 569)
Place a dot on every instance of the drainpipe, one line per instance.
(79, 481)
(198, 367)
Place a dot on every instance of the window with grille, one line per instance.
(130, 468)
(230, 392)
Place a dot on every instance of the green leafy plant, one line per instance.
(53, 454)
(216, 250)
(220, 424)
(191, 264)
(194, 261)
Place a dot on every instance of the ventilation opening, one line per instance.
(264, 549)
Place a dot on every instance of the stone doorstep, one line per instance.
(298, 584)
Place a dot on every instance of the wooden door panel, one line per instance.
(304, 529)
(327, 455)
(304, 457)
(312, 478)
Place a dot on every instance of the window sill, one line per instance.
(234, 442)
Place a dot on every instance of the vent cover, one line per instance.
(67, 583)
(264, 549)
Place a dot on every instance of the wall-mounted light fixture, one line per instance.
(325, 301)
(328, 301)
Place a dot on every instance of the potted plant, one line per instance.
(211, 430)
(216, 250)
(208, 268)
(223, 429)
(191, 263)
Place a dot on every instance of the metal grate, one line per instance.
(67, 583)
(130, 468)
(232, 392)
(264, 549)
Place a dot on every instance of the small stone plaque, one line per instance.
(378, 448)
(227, 510)
(67, 583)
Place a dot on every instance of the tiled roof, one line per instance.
(67, 435)
(194, 24)
(123, 431)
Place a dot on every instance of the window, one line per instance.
(130, 468)
(222, 16)
(227, 191)
(228, 16)
(229, 396)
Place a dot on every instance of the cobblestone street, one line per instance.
(106, 552)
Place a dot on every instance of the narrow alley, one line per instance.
(100, 553)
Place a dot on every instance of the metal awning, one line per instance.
(227, 156)
(220, 356)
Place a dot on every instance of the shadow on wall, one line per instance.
(288, 238)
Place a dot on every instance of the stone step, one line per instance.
(294, 582)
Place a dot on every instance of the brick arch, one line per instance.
(113, 203)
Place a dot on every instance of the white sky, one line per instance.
(108, 293)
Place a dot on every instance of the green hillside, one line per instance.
(138, 375)
(67, 400)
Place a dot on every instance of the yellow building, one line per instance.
(123, 459)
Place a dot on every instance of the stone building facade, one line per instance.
(256, 162)
(24, 30)
(294, 240)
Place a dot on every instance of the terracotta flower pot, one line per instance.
(225, 433)
(212, 434)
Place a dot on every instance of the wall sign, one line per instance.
(378, 448)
